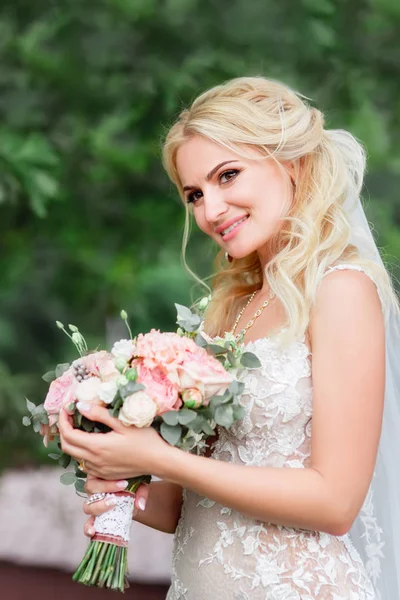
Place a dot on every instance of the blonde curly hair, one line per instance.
(254, 112)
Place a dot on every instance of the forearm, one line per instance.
(163, 507)
(299, 498)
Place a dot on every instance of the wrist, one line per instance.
(172, 464)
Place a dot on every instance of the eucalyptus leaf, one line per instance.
(186, 416)
(130, 388)
(206, 427)
(224, 416)
(26, 421)
(30, 405)
(64, 461)
(172, 435)
(49, 376)
(250, 361)
(231, 358)
(183, 312)
(216, 350)
(236, 388)
(54, 456)
(238, 412)
(61, 369)
(68, 478)
(200, 341)
(80, 486)
(36, 426)
(171, 418)
(197, 424)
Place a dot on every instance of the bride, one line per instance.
(299, 500)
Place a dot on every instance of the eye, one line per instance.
(194, 196)
(228, 175)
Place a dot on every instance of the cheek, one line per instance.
(201, 221)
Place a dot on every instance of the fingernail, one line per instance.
(111, 502)
(82, 407)
(122, 484)
(91, 531)
(142, 503)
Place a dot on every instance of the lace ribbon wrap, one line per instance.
(114, 526)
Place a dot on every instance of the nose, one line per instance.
(214, 206)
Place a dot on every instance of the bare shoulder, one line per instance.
(347, 303)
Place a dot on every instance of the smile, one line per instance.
(228, 230)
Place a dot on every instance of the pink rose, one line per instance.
(205, 373)
(163, 349)
(61, 391)
(158, 387)
(101, 364)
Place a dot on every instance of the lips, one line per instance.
(229, 223)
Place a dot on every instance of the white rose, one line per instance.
(88, 390)
(123, 349)
(107, 391)
(138, 409)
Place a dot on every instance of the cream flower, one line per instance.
(138, 409)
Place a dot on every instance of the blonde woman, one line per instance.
(287, 505)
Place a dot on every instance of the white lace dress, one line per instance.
(219, 553)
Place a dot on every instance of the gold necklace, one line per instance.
(254, 317)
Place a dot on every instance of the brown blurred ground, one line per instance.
(20, 582)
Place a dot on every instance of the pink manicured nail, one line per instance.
(122, 484)
(91, 531)
(142, 503)
(111, 502)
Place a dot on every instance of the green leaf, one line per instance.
(131, 374)
(49, 376)
(224, 416)
(172, 435)
(186, 416)
(61, 369)
(250, 361)
(171, 417)
(54, 456)
(26, 421)
(68, 478)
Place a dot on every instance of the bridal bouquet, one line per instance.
(184, 384)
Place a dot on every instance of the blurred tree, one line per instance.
(89, 223)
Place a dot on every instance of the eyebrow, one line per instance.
(210, 174)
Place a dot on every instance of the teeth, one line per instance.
(232, 227)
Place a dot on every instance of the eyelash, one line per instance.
(191, 200)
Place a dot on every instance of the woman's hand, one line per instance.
(122, 453)
(94, 485)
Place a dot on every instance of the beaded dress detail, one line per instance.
(221, 554)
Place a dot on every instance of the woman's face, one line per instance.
(237, 201)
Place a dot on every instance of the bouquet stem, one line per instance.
(105, 563)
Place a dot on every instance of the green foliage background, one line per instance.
(89, 223)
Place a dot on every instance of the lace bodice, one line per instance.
(221, 554)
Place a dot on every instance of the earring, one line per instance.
(228, 257)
